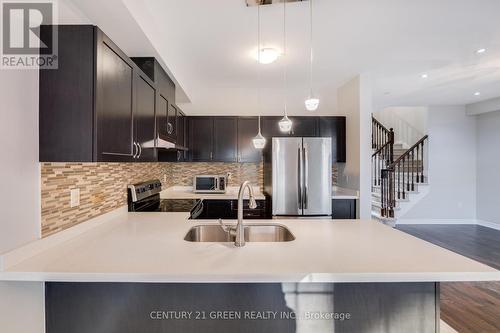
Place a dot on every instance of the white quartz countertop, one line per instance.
(186, 192)
(150, 247)
(344, 193)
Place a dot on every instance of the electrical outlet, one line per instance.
(74, 197)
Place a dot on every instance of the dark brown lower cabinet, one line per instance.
(228, 209)
(206, 307)
(344, 209)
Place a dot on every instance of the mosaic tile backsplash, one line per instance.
(103, 186)
(183, 173)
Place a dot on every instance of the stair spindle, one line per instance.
(413, 170)
(422, 170)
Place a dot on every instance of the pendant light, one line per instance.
(259, 142)
(312, 102)
(285, 123)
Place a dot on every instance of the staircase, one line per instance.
(398, 177)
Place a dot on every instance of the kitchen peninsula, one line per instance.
(359, 260)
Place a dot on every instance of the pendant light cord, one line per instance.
(259, 103)
(284, 55)
(311, 47)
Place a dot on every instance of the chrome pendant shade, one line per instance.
(285, 124)
(259, 142)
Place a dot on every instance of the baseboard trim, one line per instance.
(436, 221)
(487, 224)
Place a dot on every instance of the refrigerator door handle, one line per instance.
(299, 177)
(306, 177)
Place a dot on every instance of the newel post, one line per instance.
(391, 146)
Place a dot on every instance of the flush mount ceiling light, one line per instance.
(285, 123)
(425, 76)
(259, 142)
(483, 50)
(266, 55)
(477, 93)
(311, 103)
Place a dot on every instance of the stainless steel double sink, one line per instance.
(253, 233)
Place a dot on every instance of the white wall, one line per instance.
(488, 167)
(22, 303)
(409, 123)
(490, 105)
(452, 166)
(355, 101)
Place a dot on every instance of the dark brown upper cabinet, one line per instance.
(166, 116)
(213, 139)
(270, 128)
(144, 118)
(98, 105)
(225, 143)
(335, 127)
(248, 128)
(114, 103)
(172, 123)
(200, 138)
(304, 126)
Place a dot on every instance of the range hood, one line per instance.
(160, 143)
(268, 2)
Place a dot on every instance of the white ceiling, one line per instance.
(207, 46)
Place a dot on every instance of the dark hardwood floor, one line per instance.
(467, 306)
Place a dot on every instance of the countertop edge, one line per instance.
(252, 278)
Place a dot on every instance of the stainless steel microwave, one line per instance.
(210, 184)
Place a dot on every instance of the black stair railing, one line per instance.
(380, 134)
(383, 144)
(400, 177)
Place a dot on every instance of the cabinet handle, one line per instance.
(211, 155)
(178, 155)
(170, 128)
(140, 150)
(134, 151)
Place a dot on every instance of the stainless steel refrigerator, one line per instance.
(302, 176)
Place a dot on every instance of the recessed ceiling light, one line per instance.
(481, 51)
(268, 55)
(425, 76)
(477, 93)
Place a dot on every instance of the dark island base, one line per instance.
(256, 307)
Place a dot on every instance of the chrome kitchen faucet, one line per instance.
(239, 230)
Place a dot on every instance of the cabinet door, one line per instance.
(304, 126)
(270, 128)
(172, 123)
(344, 209)
(181, 136)
(335, 128)
(225, 140)
(162, 115)
(144, 118)
(248, 128)
(200, 138)
(115, 104)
